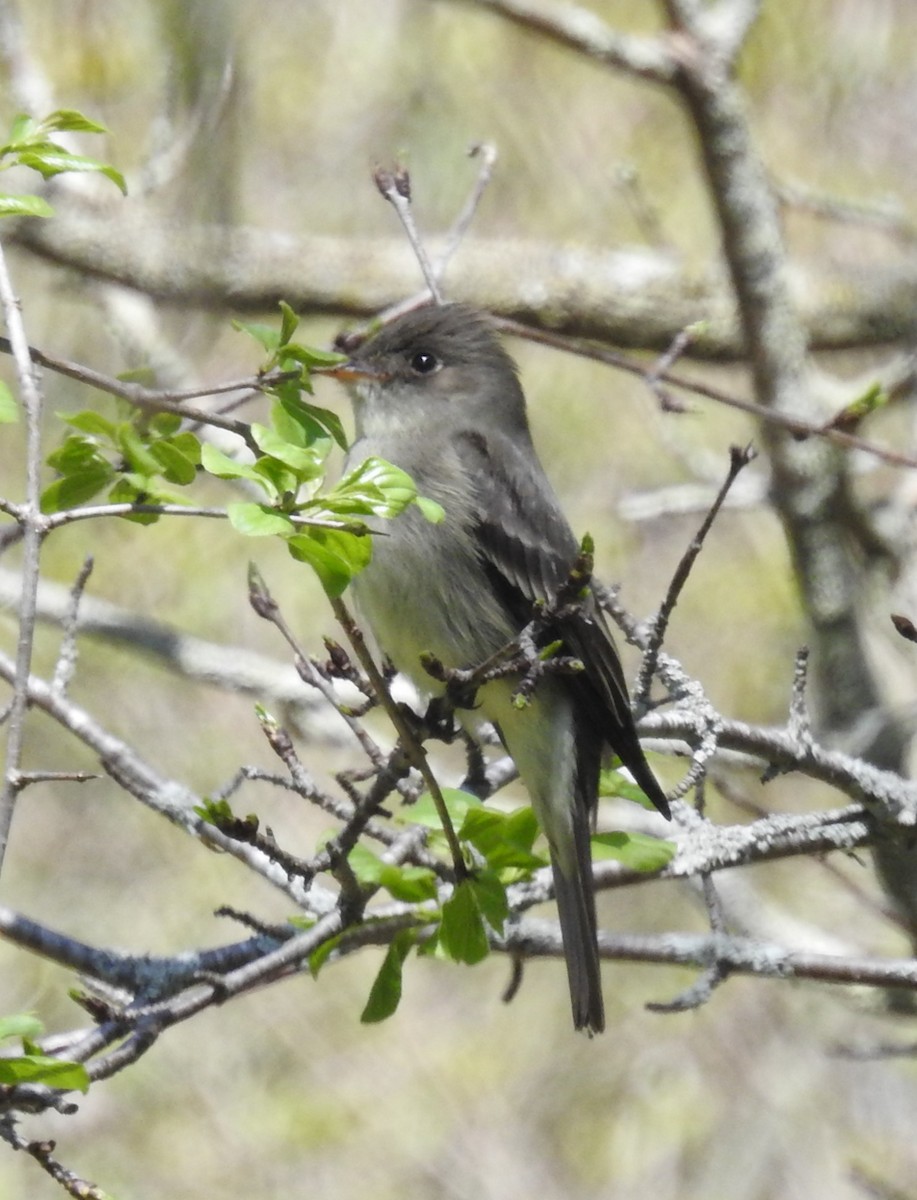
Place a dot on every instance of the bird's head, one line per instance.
(429, 363)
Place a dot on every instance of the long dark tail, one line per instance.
(576, 909)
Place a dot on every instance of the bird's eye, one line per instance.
(424, 363)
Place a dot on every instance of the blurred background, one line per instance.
(271, 117)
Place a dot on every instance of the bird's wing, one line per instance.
(528, 549)
(522, 535)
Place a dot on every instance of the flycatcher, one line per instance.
(436, 394)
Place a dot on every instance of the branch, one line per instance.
(174, 401)
(233, 668)
(899, 376)
(579, 29)
(30, 520)
(745, 956)
(395, 186)
(630, 297)
(167, 797)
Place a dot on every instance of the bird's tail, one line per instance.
(576, 909)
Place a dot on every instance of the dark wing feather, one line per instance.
(523, 537)
(528, 550)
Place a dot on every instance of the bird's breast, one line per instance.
(425, 588)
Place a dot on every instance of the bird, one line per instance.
(436, 393)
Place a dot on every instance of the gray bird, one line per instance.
(436, 394)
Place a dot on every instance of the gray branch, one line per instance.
(232, 668)
(630, 297)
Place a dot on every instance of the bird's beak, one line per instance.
(351, 371)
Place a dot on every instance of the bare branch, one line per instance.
(579, 29)
(67, 655)
(627, 296)
(738, 460)
(743, 956)
(799, 427)
(30, 520)
(233, 668)
(395, 186)
(167, 797)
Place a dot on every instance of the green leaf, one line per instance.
(522, 827)
(308, 463)
(39, 1068)
(435, 513)
(131, 488)
(385, 993)
(410, 884)
(330, 421)
(144, 375)
(91, 422)
(424, 812)
(377, 487)
(872, 399)
(322, 953)
(176, 467)
(69, 120)
(505, 840)
(24, 206)
(490, 895)
(613, 783)
(265, 335)
(294, 425)
(49, 160)
(22, 129)
(636, 850)
(215, 462)
(135, 450)
(335, 556)
(283, 482)
(164, 424)
(413, 885)
(258, 520)
(215, 812)
(462, 934)
(189, 444)
(135, 489)
(366, 866)
(310, 357)
(288, 322)
(20, 1025)
(74, 454)
(9, 409)
(75, 489)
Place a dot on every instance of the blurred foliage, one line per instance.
(457, 1095)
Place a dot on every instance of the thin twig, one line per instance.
(395, 186)
(158, 401)
(738, 459)
(264, 604)
(31, 524)
(799, 725)
(413, 748)
(795, 425)
(486, 152)
(67, 654)
(454, 237)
